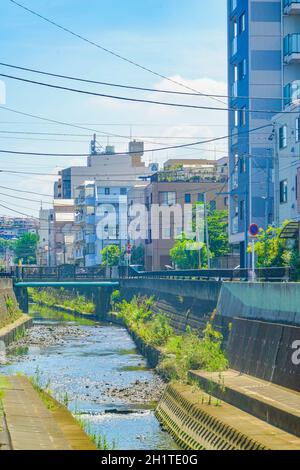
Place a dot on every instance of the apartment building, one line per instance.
(101, 218)
(46, 237)
(166, 190)
(61, 251)
(255, 80)
(104, 167)
(287, 125)
(15, 227)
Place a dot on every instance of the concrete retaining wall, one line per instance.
(270, 302)
(8, 301)
(15, 330)
(265, 350)
(187, 303)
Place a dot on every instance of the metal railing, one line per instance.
(75, 273)
(263, 274)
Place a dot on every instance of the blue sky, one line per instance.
(182, 40)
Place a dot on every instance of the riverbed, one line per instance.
(95, 369)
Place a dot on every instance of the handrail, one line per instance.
(73, 273)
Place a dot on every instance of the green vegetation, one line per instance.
(273, 251)
(111, 255)
(181, 353)
(137, 255)
(52, 313)
(100, 440)
(13, 312)
(185, 258)
(25, 248)
(61, 298)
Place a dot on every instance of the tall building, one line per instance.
(46, 237)
(255, 80)
(103, 166)
(287, 125)
(166, 190)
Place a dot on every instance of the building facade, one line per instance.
(165, 191)
(287, 125)
(255, 87)
(46, 237)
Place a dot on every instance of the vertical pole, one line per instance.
(206, 230)
(253, 261)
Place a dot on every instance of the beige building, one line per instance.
(64, 229)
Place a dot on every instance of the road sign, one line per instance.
(254, 230)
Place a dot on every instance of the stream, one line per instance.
(95, 369)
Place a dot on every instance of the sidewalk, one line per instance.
(31, 426)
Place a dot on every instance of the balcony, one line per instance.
(291, 7)
(292, 93)
(291, 48)
(90, 219)
(90, 238)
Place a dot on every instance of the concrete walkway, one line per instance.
(30, 425)
(272, 403)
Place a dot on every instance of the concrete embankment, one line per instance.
(13, 322)
(198, 421)
(29, 423)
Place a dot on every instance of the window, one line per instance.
(201, 197)
(187, 198)
(123, 191)
(283, 192)
(213, 206)
(167, 198)
(283, 137)
(236, 118)
(242, 164)
(243, 116)
(242, 210)
(226, 201)
(107, 191)
(297, 129)
(242, 69)
(242, 23)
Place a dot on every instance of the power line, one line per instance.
(144, 101)
(192, 144)
(115, 97)
(137, 88)
(92, 43)
(63, 123)
(27, 192)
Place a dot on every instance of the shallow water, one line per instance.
(87, 370)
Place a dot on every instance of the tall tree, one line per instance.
(25, 248)
(186, 258)
(111, 255)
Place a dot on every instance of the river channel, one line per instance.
(95, 369)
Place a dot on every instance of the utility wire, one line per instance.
(153, 90)
(144, 101)
(92, 43)
(192, 144)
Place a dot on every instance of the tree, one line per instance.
(273, 251)
(218, 233)
(185, 258)
(111, 255)
(185, 255)
(137, 255)
(25, 248)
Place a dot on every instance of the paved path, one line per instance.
(31, 426)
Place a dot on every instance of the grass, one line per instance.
(100, 440)
(62, 298)
(181, 353)
(13, 312)
(56, 314)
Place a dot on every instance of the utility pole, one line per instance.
(207, 232)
